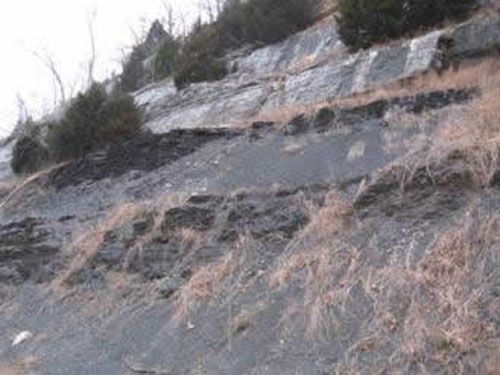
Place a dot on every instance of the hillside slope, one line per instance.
(359, 237)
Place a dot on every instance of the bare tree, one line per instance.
(211, 8)
(91, 16)
(48, 61)
(170, 18)
(140, 33)
(23, 114)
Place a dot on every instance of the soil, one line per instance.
(226, 278)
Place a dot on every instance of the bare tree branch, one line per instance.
(48, 61)
(170, 17)
(23, 114)
(91, 16)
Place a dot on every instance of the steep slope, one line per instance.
(359, 237)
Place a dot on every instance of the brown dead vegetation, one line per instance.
(86, 244)
(478, 75)
(319, 254)
(24, 366)
(157, 207)
(207, 282)
(328, 223)
(473, 134)
(468, 136)
(20, 192)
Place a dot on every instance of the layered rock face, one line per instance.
(311, 67)
(353, 239)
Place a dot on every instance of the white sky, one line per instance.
(59, 28)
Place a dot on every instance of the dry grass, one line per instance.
(158, 206)
(327, 224)
(24, 366)
(357, 151)
(322, 255)
(473, 134)
(447, 291)
(455, 277)
(7, 185)
(479, 75)
(469, 134)
(192, 239)
(207, 282)
(86, 244)
(437, 307)
(16, 189)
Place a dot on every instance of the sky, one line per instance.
(59, 29)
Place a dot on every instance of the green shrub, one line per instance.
(167, 59)
(28, 155)
(134, 73)
(199, 59)
(269, 21)
(93, 120)
(264, 21)
(362, 23)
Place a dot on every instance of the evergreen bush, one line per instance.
(93, 120)
(167, 58)
(28, 155)
(362, 23)
(134, 73)
(200, 58)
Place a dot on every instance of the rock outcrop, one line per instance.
(353, 239)
(311, 67)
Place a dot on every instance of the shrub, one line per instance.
(93, 120)
(167, 58)
(264, 21)
(269, 21)
(134, 74)
(199, 59)
(28, 155)
(362, 23)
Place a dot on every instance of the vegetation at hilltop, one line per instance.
(93, 120)
(199, 55)
(361, 23)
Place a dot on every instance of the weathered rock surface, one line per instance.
(185, 285)
(309, 68)
(213, 272)
(476, 39)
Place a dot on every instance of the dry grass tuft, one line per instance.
(457, 282)
(207, 282)
(479, 75)
(437, 307)
(469, 134)
(327, 224)
(17, 189)
(24, 366)
(86, 244)
(192, 239)
(159, 206)
(473, 134)
(322, 256)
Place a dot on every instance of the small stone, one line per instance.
(22, 337)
